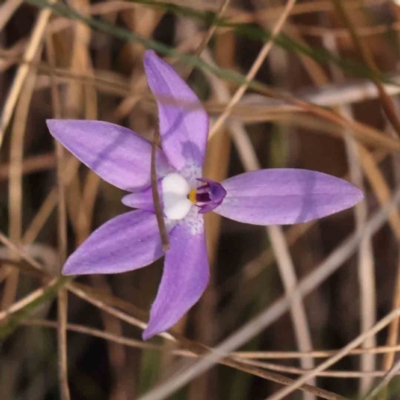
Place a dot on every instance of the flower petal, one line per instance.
(129, 241)
(142, 200)
(285, 196)
(183, 121)
(185, 276)
(119, 155)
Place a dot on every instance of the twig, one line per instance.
(21, 253)
(156, 196)
(62, 239)
(385, 381)
(30, 53)
(7, 10)
(31, 165)
(386, 101)
(262, 55)
(50, 202)
(104, 335)
(15, 195)
(20, 304)
(207, 37)
(62, 343)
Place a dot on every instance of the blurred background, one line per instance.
(305, 84)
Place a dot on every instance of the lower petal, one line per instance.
(127, 242)
(285, 196)
(185, 277)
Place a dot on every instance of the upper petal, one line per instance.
(285, 196)
(185, 276)
(124, 243)
(183, 121)
(119, 155)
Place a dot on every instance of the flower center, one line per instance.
(178, 198)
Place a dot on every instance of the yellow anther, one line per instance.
(192, 196)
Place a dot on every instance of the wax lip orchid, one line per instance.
(131, 241)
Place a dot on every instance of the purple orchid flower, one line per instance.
(131, 241)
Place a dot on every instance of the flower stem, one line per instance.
(156, 195)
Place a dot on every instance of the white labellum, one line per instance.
(175, 190)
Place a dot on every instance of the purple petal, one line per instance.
(142, 200)
(119, 155)
(183, 121)
(129, 241)
(285, 196)
(185, 276)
